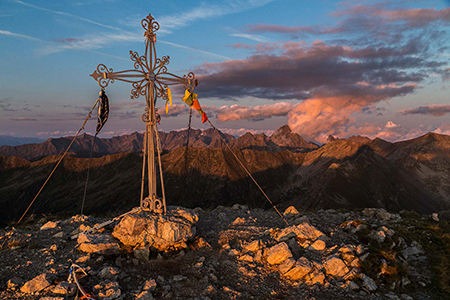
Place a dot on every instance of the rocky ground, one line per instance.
(236, 253)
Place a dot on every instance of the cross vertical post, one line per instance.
(151, 79)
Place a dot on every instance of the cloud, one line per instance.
(434, 110)
(23, 119)
(195, 50)
(6, 32)
(390, 124)
(65, 14)
(253, 113)
(174, 110)
(208, 11)
(253, 37)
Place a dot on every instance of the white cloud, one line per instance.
(390, 124)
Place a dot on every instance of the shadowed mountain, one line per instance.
(344, 173)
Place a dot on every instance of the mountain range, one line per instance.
(343, 174)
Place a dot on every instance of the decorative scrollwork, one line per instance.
(150, 26)
(146, 204)
(146, 116)
(139, 89)
(101, 75)
(190, 81)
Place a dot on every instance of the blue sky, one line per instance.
(323, 67)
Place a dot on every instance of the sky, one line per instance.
(341, 68)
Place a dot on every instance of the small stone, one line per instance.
(98, 243)
(83, 259)
(59, 235)
(253, 246)
(368, 283)
(379, 236)
(14, 283)
(435, 217)
(53, 247)
(109, 273)
(49, 225)
(315, 277)
(278, 253)
(143, 254)
(238, 221)
(145, 295)
(246, 258)
(233, 252)
(178, 278)
(407, 297)
(64, 288)
(150, 285)
(353, 286)
(108, 289)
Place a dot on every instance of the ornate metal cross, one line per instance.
(150, 79)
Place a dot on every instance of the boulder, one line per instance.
(98, 243)
(38, 283)
(290, 212)
(334, 266)
(301, 231)
(160, 232)
(285, 266)
(301, 268)
(278, 253)
(318, 245)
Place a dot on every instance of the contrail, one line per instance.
(195, 50)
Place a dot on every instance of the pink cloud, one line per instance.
(253, 113)
(434, 110)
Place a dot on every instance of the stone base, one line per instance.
(146, 230)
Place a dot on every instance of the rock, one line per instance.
(368, 283)
(290, 212)
(83, 259)
(51, 298)
(379, 236)
(109, 273)
(38, 283)
(143, 254)
(59, 235)
(253, 246)
(239, 207)
(407, 297)
(413, 251)
(379, 213)
(435, 217)
(64, 288)
(301, 231)
(301, 268)
(233, 252)
(334, 266)
(392, 296)
(199, 243)
(246, 258)
(108, 290)
(150, 285)
(238, 221)
(314, 277)
(353, 286)
(14, 283)
(145, 295)
(278, 253)
(98, 243)
(161, 232)
(318, 245)
(178, 278)
(285, 266)
(49, 225)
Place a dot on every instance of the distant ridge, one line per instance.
(7, 140)
(281, 139)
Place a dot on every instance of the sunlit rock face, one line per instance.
(159, 232)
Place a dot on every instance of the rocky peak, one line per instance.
(283, 130)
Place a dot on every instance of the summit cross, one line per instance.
(151, 79)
